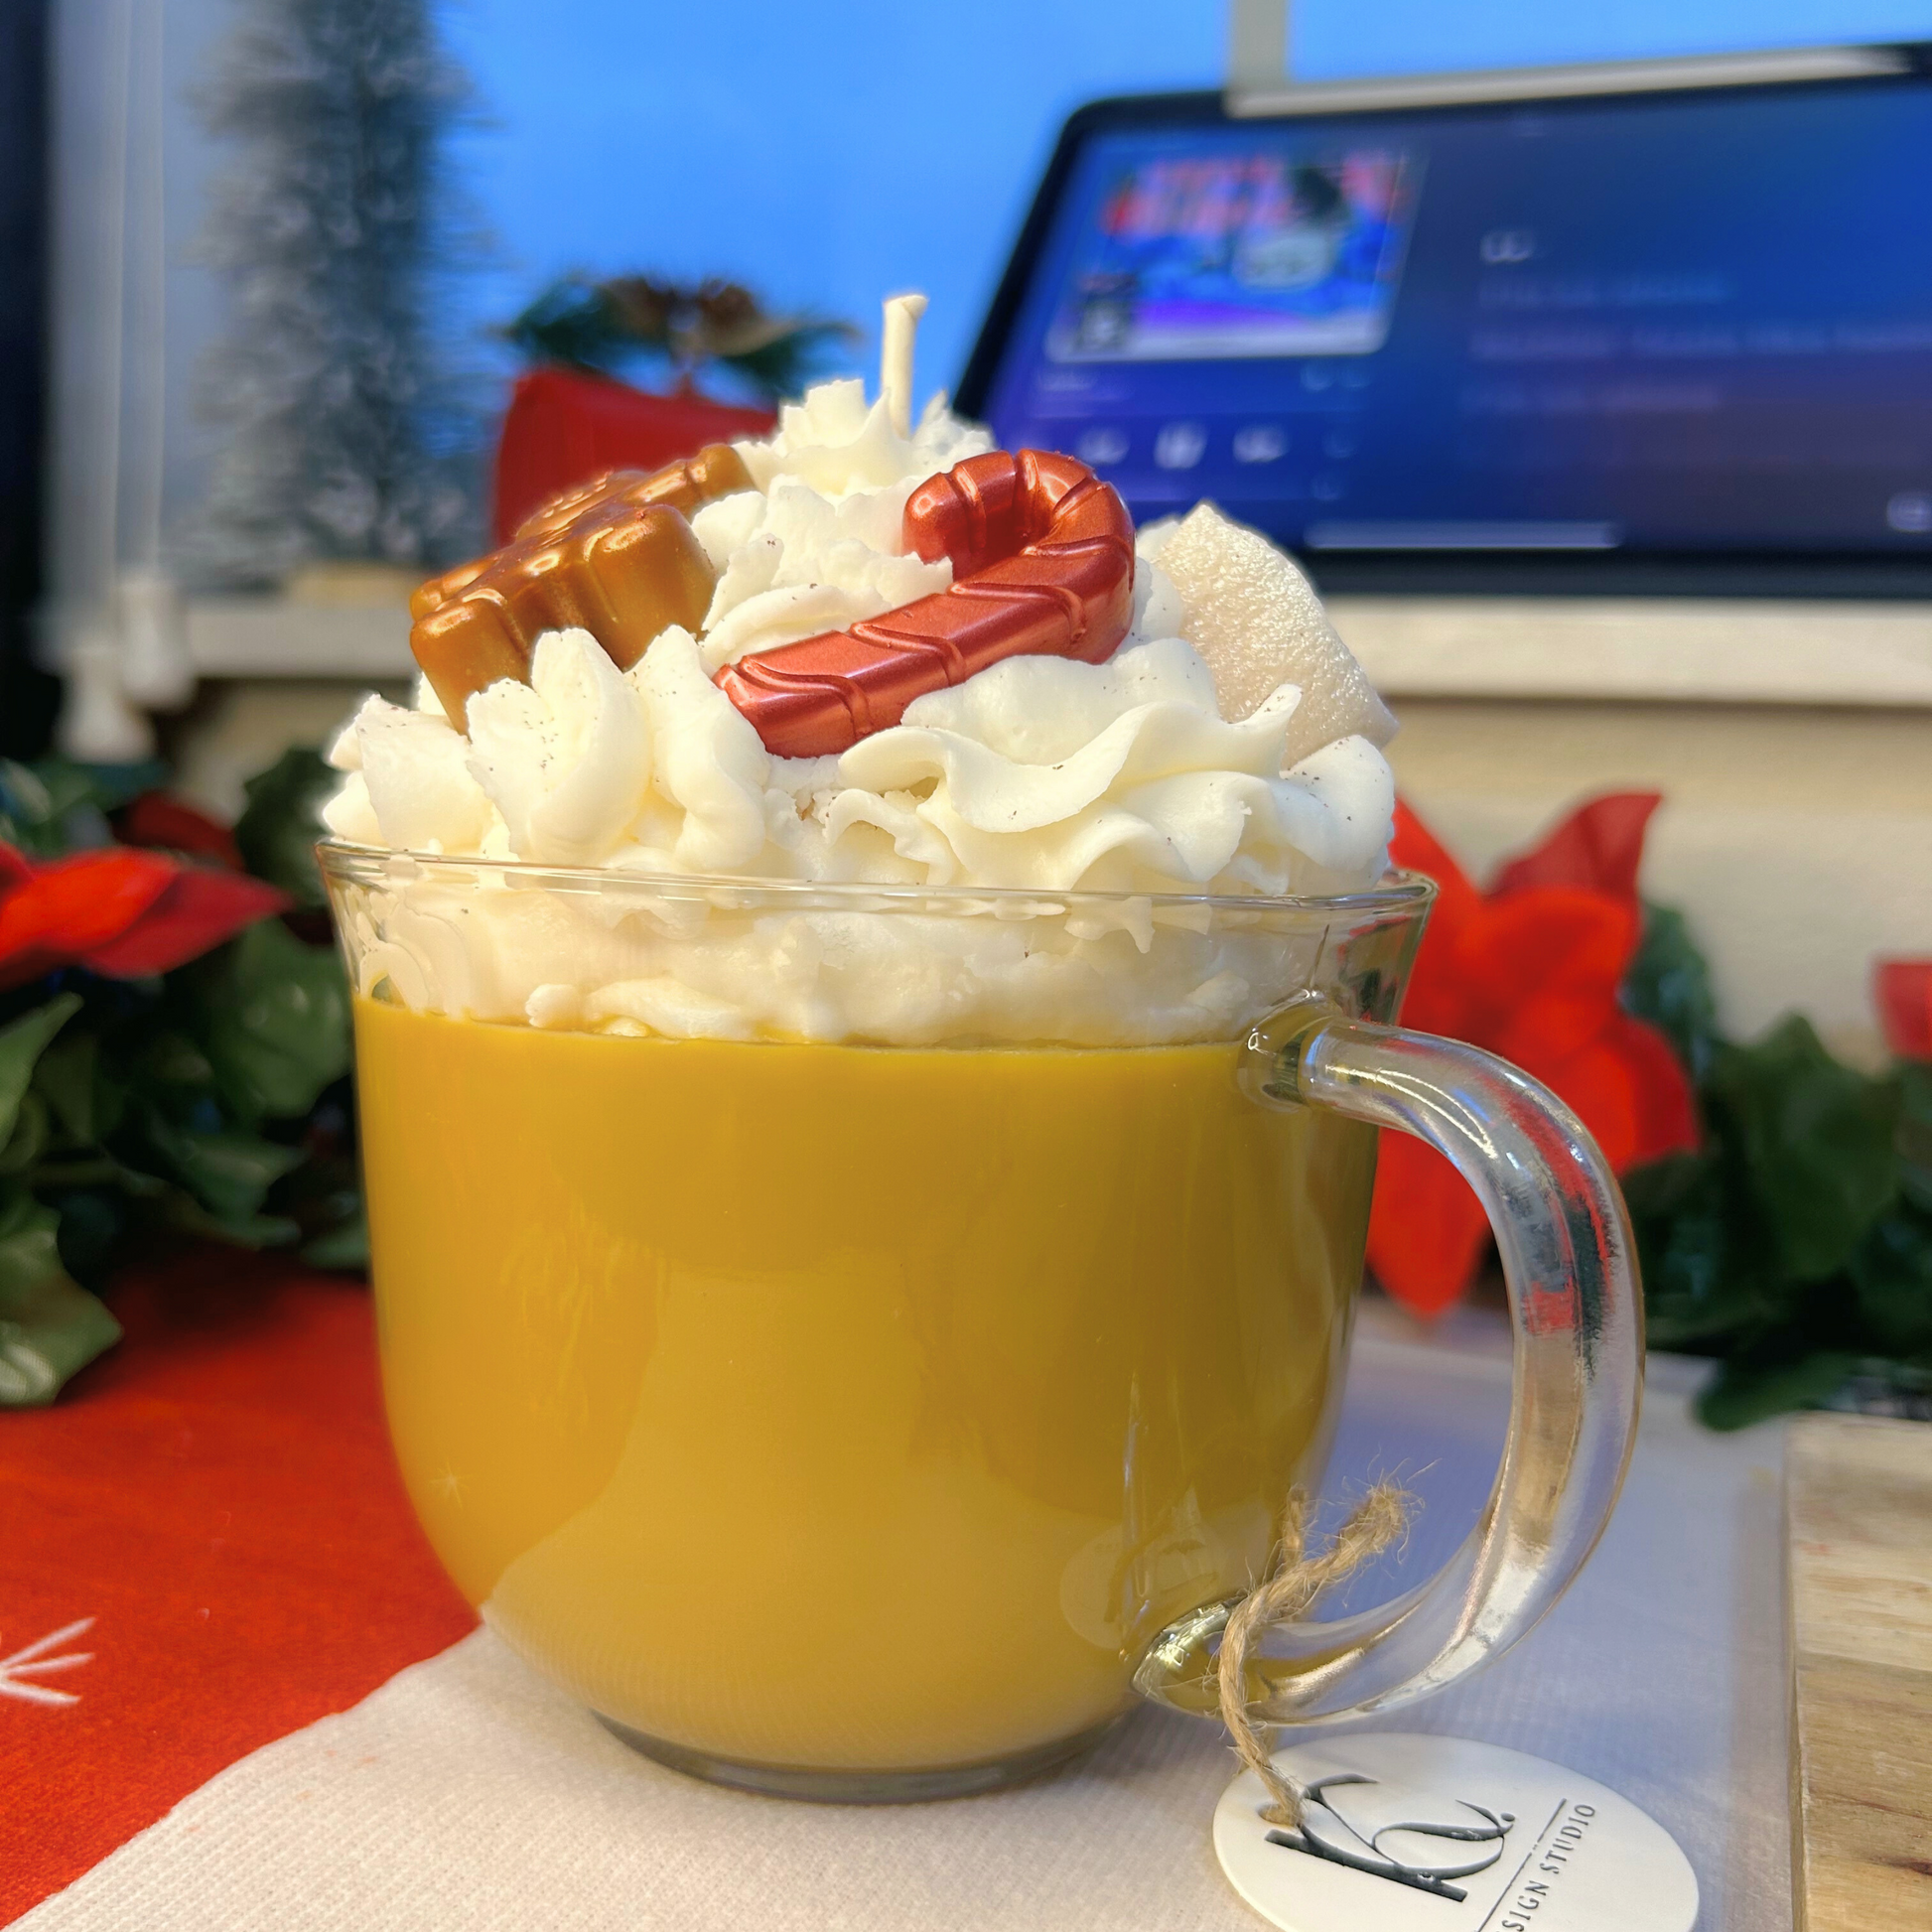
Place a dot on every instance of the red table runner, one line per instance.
(209, 1516)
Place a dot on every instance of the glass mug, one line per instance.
(869, 1421)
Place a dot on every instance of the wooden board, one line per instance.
(1858, 1543)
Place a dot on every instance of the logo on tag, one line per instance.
(1443, 1835)
(1386, 1830)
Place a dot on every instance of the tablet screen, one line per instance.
(1668, 323)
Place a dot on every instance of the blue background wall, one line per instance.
(830, 154)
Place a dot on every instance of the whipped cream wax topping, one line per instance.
(1230, 746)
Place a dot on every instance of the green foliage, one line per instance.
(1745, 1391)
(1812, 1144)
(601, 326)
(346, 1245)
(276, 1021)
(276, 834)
(1797, 1244)
(1914, 1138)
(21, 1046)
(228, 1172)
(56, 806)
(48, 1325)
(1669, 985)
(213, 1101)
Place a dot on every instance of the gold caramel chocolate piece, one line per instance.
(615, 556)
(715, 471)
(426, 596)
(621, 571)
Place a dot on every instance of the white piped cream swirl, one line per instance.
(1040, 774)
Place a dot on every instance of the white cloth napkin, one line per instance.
(467, 1793)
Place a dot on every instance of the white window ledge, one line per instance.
(275, 636)
(1704, 650)
(1634, 649)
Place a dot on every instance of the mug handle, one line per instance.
(1569, 1263)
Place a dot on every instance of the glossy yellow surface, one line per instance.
(848, 1407)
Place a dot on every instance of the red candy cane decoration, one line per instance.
(1042, 554)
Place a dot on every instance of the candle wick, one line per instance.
(903, 313)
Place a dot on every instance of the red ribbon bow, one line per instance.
(1531, 970)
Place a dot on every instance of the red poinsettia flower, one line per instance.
(1531, 970)
(1902, 991)
(158, 819)
(119, 912)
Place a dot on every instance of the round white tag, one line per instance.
(1411, 1834)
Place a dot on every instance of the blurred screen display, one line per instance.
(1241, 254)
(1682, 322)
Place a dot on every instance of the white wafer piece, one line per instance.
(1258, 625)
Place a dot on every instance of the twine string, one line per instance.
(1292, 1583)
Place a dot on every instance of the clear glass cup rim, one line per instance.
(1396, 892)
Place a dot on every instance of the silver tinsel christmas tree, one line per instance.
(345, 436)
